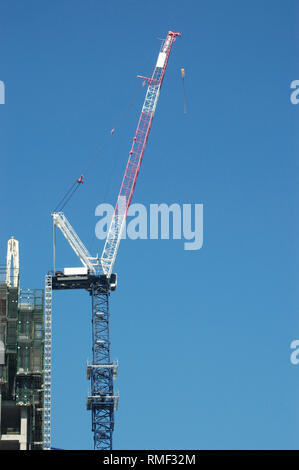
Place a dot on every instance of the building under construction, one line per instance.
(21, 359)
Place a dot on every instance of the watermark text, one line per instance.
(161, 221)
(2, 92)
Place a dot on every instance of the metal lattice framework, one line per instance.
(47, 363)
(102, 401)
(135, 156)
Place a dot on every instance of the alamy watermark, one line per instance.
(161, 221)
(294, 97)
(294, 358)
(2, 92)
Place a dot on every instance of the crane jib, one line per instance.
(135, 156)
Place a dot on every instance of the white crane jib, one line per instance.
(60, 221)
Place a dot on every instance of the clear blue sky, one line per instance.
(202, 337)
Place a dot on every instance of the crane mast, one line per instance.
(99, 280)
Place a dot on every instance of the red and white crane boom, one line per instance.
(135, 156)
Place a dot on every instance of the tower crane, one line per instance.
(97, 277)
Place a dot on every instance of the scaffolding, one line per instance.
(21, 365)
(48, 363)
(30, 359)
(8, 334)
